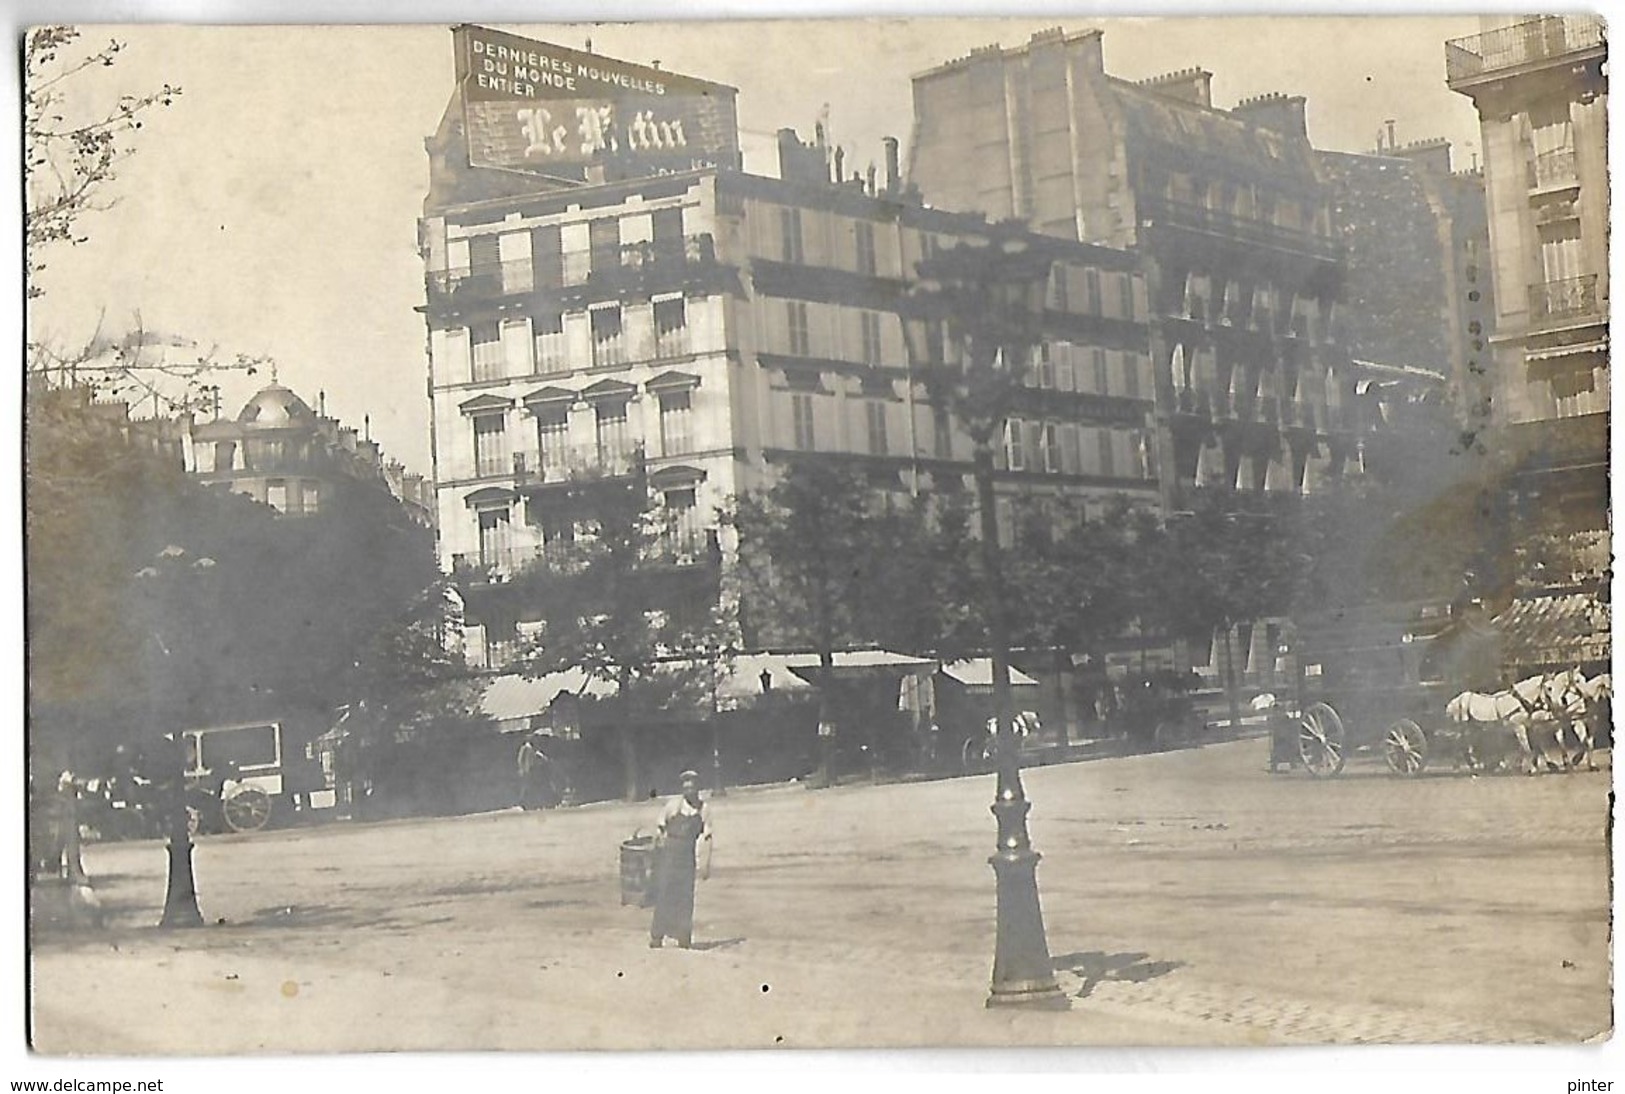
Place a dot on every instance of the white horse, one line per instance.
(1536, 710)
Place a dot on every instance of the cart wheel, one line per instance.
(1320, 741)
(248, 810)
(1406, 747)
(977, 754)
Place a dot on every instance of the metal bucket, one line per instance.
(638, 871)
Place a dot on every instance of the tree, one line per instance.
(613, 604)
(412, 703)
(815, 551)
(70, 153)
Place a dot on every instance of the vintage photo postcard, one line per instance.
(779, 535)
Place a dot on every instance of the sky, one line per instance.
(272, 210)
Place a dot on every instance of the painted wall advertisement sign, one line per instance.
(534, 106)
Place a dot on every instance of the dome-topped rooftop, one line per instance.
(276, 407)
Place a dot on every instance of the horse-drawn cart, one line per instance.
(1377, 680)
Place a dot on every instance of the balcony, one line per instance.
(1215, 222)
(664, 258)
(1553, 169)
(1570, 300)
(491, 564)
(1523, 45)
(481, 282)
(573, 464)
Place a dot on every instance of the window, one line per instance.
(496, 543)
(943, 430)
(484, 255)
(552, 435)
(676, 422)
(1071, 452)
(865, 243)
(801, 409)
(305, 498)
(276, 495)
(1013, 455)
(800, 341)
(870, 324)
(608, 348)
(1107, 467)
(558, 531)
(490, 445)
(547, 257)
(671, 327)
(487, 339)
(683, 516)
(1131, 375)
(666, 230)
(1057, 288)
(1091, 291)
(1032, 445)
(1125, 296)
(1050, 447)
(225, 453)
(790, 248)
(1098, 359)
(604, 241)
(614, 437)
(551, 355)
(876, 414)
(263, 454)
(1043, 372)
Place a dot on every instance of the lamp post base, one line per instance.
(180, 899)
(1023, 973)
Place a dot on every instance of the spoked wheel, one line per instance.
(977, 754)
(1405, 747)
(1320, 741)
(248, 810)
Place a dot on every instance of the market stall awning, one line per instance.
(977, 672)
(1563, 629)
(858, 663)
(512, 698)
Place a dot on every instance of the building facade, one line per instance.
(1541, 90)
(282, 453)
(1256, 384)
(699, 330)
(1418, 289)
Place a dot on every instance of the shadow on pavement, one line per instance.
(719, 944)
(1094, 966)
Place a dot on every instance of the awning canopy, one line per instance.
(512, 697)
(977, 672)
(1564, 629)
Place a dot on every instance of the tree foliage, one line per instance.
(70, 153)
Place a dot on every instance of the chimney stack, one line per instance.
(1285, 114)
(893, 172)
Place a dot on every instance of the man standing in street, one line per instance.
(683, 825)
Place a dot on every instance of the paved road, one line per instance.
(1190, 897)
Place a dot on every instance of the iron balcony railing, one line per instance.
(1248, 229)
(1544, 39)
(574, 268)
(1555, 168)
(1571, 298)
(573, 463)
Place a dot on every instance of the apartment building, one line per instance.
(299, 461)
(695, 331)
(1541, 89)
(1256, 383)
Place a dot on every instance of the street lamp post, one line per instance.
(180, 895)
(991, 296)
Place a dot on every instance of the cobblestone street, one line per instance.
(1190, 898)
